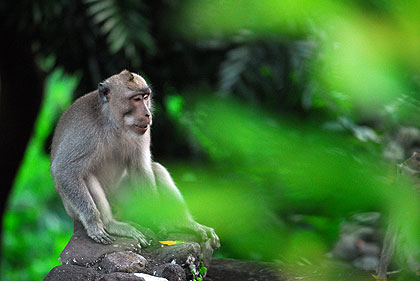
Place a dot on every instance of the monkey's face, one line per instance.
(138, 118)
(128, 97)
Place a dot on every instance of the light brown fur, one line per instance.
(101, 136)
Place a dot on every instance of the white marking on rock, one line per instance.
(148, 277)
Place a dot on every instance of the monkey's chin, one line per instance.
(141, 130)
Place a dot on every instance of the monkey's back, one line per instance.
(76, 124)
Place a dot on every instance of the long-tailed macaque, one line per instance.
(101, 137)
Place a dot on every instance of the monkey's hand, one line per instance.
(98, 234)
(126, 230)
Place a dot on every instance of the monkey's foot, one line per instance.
(204, 232)
(126, 230)
(207, 233)
(99, 235)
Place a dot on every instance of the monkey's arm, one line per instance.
(171, 196)
(72, 151)
(77, 200)
(111, 225)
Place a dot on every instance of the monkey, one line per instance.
(101, 138)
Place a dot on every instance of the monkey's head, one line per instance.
(125, 98)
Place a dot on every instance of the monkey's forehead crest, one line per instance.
(128, 79)
(129, 76)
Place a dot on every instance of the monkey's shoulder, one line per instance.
(85, 107)
(78, 127)
(84, 112)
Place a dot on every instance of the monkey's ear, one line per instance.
(103, 90)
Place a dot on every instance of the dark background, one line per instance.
(287, 108)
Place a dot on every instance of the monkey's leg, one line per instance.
(111, 225)
(80, 205)
(171, 196)
(387, 252)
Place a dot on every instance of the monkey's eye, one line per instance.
(136, 98)
(146, 96)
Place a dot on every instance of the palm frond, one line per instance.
(123, 24)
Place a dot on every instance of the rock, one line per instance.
(84, 259)
(346, 248)
(126, 261)
(207, 251)
(187, 255)
(72, 273)
(359, 237)
(82, 250)
(370, 249)
(148, 277)
(239, 270)
(366, 262)
(206, 248)
(119, 276)
(179, 253)
(401, 145)
(172, 272)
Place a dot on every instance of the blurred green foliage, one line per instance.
(364, 49)
(274, 116)
(291, 168)
(36, 228)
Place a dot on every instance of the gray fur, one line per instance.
(100, 137)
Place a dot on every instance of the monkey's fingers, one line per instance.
(102, 238)
(212, 236)
(141, 239)
(215, 241)
(99, 235)
(201, 231)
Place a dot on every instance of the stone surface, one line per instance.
(239, 270)
(359, 241)
(207, 251)
(172, 272)
(206, 248)
(148, 277)
(82, 250)
(179, 253)
(187, 255)
(72, 273)
(126, 261)
(84, 259)
(366, 263)
(120, 276)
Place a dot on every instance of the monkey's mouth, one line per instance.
(142, 128)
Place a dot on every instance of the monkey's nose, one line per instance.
(148, 118)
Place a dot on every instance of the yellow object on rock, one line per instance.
(170, 242)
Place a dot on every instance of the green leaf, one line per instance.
(174, 105)
(100, 6)
(203, 270)
(106, 16)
